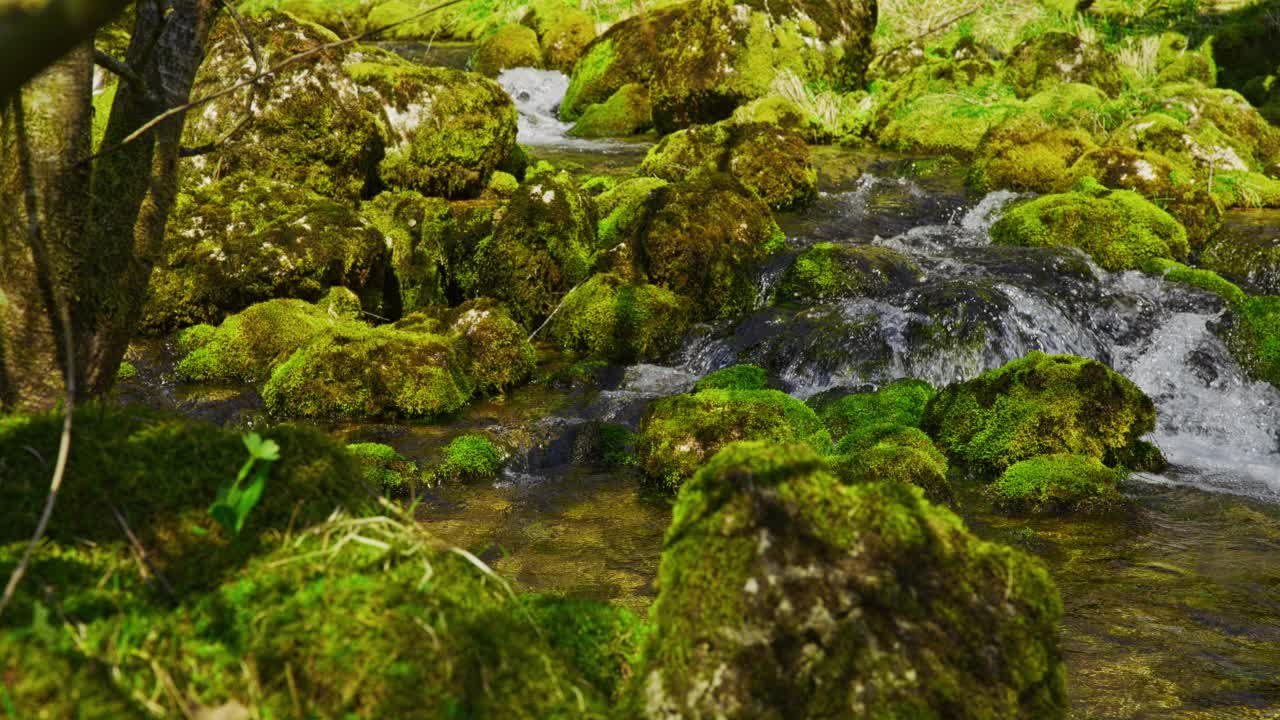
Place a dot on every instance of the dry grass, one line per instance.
(1138, 56)
(994, 22)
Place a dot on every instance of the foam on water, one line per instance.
(537, 95)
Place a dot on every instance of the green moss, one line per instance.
(247, 345)
(896, 463)
(564, 38)
(624, 209)
(495, 351)
(1120, 229)
(901, 402)
(449, 130)
(736, 377)
(384, 468)
(470, 458)
(908, 601)
(703, 239)
(1041, 405)
(1032, 150)
(679, 433)
(511, 46)
(503, 184)
(1058, 484)
(352, 372)
(127, 372)
(772, 162)
(828, 271)
(1255, 337)
(944, 124)
(608, 317)
(1250, 257)
(784, 113)
(626, 112)
(1195, 277)
(602, 641)
(246, 239)
(540, 249)
(1057, 57)
(592, 81)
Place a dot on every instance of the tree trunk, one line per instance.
(87, 235)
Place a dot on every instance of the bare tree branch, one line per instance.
(258, 67)
(291, 60)
(117, 67)
(32, 37)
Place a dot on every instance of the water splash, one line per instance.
(537, 95)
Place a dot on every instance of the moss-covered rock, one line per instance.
(540, 249)
(512, 46)
(1250, 257)
(1178, 62)
(469, 458)
(1207, 280)
(624, 211)
(311, 124)
(352, 372)
(449, 130)
(602, 641)
(433, 243)
(565, 37)
(783, 592)
(1236, 122)
(894, 454)
(900, 403)
(786, 114)
(1041, 405)
(945, 123)
(735, 377)
(1120, 229)
(828, 271)
(727, 55)
(610, 318)
(247, 345)
(626, 112)
(703, 240)
(1033, 149)
(932, 76)
(1058, 57)
(248, 238)
(1056, 485)
(494, 349)
(1254, 337)
(681, 432)
(772, 162)
(385, 469)
(1157, 179)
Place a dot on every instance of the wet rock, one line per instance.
(1041, 405)
(627, 112)
(1249, 256)
(783, 592)
(249, 238)
(828, 271)
(312, 125)
(1118, 228)
(772, 162)
(449, 130)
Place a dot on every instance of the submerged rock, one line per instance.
(679, 433)
(1120, 229)
(1058, 484)
(827, 271)
(772, 162)
(1042, 405)
(783, 593)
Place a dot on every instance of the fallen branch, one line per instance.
(142, 551)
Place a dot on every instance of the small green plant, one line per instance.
(237, 500)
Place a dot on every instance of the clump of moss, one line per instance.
(248, 238)
(1120, 229)
(602, 641)
(512, 46)
(469, 458)
(623, 211)
(127, 372)
(679, 433)
(1054, 58)
(771, 161)
(540, 249)
(1254, 337)
(906, 601)
(736, 377)
(1041, 405)
(625, 322)
(827, 271)
(1250, 258)
(888, 452)
(354, 372)
(703, 239)
(944, 123)
(1032, 150)
(564, 36)
(626, 112)
(495, 351)
(901, 402)
(384, 468)
(1057, 485)
(247, 345)
(1196, 277)
(449, 130)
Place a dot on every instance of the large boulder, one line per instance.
(783, 593)
(611, 318)
(771, 161)
(702, 239)
(249, 238)
(1058, 57)
(1120, 229)
(1032, 150)
(727, 55)
(1042, 405)
(449, 130)
(512, 46)
(308, 124)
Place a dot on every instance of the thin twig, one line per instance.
(292, 59)
(142, 551)
(534, 334)
(932, 29)
(258, 66)
(118, 68)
